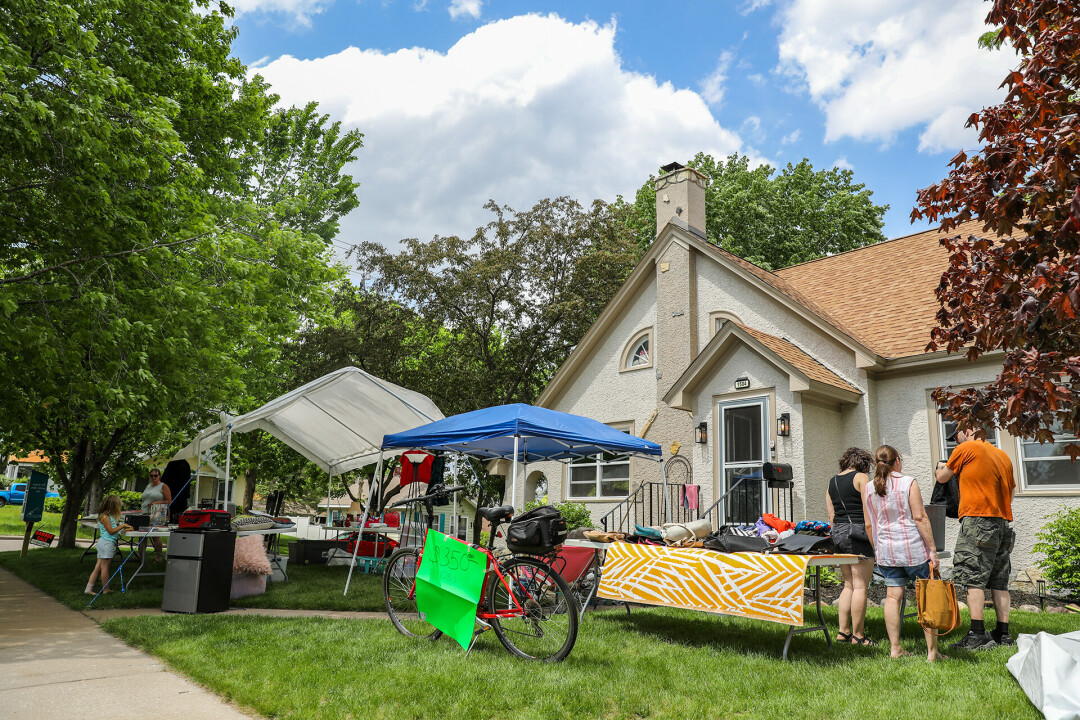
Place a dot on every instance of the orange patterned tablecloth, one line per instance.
(752, 585)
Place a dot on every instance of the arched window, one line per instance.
(720, 317)
(638, 353)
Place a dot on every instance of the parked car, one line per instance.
(16, 494)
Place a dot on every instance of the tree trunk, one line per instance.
(83, 471)
(93, 497)
(249, 488)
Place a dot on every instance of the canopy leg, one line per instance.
(228, 477)
(376, 478)
(513, 485)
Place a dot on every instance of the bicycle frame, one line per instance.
(492, 563)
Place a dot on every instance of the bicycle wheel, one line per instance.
(399, 581)
(547, 629)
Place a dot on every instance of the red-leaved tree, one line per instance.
(1015, 287)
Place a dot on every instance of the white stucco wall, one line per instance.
(906, 423)
(600, 391)
(719, 289)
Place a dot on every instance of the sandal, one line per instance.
(865, 641)
(843, 637)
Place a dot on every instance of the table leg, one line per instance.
(92, 545)
(142, 562)
(793, 631)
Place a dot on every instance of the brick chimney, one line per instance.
(680, 195)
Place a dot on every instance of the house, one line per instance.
(20, 467)
(727, 366)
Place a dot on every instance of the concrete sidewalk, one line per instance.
(57, 663)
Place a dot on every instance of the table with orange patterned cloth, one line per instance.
(748, 584)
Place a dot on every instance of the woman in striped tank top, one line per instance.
(902, 538)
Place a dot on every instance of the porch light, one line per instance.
(783, 425)
(701, 434)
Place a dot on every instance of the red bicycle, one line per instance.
(528, 605)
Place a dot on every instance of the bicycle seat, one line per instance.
(491, 514)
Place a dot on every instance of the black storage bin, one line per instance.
(312, 552)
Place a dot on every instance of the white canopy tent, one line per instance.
(337, 421)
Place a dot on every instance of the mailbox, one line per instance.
(778, 475)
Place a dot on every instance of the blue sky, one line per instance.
(465, 100)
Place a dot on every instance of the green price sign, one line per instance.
(448, 585)
(34, 501)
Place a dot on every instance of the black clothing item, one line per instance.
(947, 494)
(846, 501)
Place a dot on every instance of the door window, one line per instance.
(743, 438)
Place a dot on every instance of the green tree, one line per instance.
(1014, 287)
(146, 275)
(773, 220)
(509, 304)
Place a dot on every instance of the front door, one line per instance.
(743, 443)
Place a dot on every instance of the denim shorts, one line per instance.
(901, 576)
(106, 549)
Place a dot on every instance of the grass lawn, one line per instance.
(11, 524)
(658, 664)
(61, 574)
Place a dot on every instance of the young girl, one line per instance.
(109, 528)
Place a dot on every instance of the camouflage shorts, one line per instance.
(983, 547)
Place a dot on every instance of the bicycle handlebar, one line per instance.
(428, 497)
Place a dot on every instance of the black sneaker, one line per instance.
(1005, 640)
(974, 641)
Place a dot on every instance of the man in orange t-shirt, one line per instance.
(982, 558)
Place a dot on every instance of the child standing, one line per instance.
(109, 528)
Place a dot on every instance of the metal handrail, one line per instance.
(713, 514)
(624, 511)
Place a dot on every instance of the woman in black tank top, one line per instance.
(844, 503)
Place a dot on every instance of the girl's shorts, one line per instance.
(106, 549)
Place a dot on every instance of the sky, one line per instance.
(462, 101)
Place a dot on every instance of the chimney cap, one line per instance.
(672, 167)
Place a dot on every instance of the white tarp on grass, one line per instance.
(1048, 670)
(336, 422)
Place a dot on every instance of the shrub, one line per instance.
(1059, 544)
(130, 500)
(575, 514)
(54, 505)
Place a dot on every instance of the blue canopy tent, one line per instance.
(524, 434)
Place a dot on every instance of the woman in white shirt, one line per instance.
(902, 538)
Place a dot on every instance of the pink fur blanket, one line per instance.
(249, 557)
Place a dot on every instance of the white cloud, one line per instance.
(842, 163)
(751, 127)
(518, 110)
(791, 137)
(470, 8)
(300, 10)
(751, 5)
(712, 87)
(878, 68)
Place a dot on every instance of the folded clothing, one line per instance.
(813, 526)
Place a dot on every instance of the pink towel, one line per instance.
(690, 497)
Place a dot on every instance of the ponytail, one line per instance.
(885, 458)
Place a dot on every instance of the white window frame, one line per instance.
(766, 438)
(943, 434)
(632, 346)
(718, 318)
(597, 462)
(1055, 489)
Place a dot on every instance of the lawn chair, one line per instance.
(580, 568)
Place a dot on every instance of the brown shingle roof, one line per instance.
(802, 362)
(884, 292)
